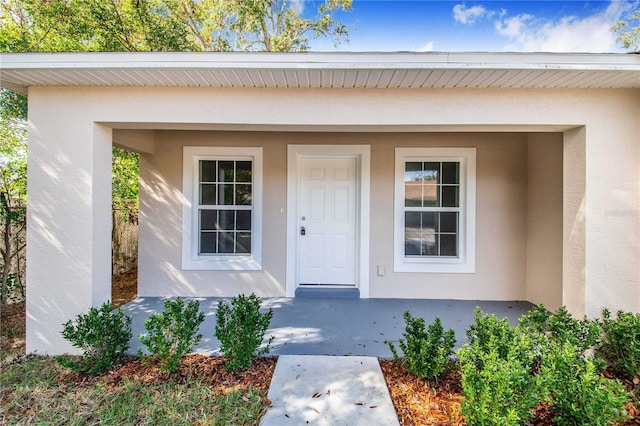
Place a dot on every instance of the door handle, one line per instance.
(302, 230)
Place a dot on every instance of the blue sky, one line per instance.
(485, 26)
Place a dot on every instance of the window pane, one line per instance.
(208, 242)
(448, 245)
(243, 220)
(449, 222)
(450, 197)
(429, 244)
(243, 171)
(243, 242)
(431, 196)
(431, 173)
(225, 194)
(208, 220)
(412, 234)
(225, 243)
(225, 171)
(430, 221)
(208, 194)
(412, 172)
(413, 195)
(428, 235)
(208, 171)
(450, 173)
(227, 219)
(243, 195)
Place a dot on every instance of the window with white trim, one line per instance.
(434, 210)
(222, 211)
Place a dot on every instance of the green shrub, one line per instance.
(577, 394)
(103, 336)
(561, 327)
(173, 332)
(620, 344)
(427, 352)
(498, 384)
(488, 330)
(241, 327)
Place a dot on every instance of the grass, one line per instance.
(39, 391)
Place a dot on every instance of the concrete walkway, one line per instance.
(329, 390)
(363, 327)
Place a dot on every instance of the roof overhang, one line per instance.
(19, 71)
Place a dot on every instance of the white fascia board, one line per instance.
(333, 60)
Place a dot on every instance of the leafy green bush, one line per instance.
(498, 384)
(488, 330)
(620, 344)
(173, 332)
(427, 352)
(561, 327)
(103, 336)
(577, 394)
(241, 327)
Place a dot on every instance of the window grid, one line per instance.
(225, 209)
(432, 209)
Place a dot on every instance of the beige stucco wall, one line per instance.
(70, 130)
(501, 216)
(544, 219)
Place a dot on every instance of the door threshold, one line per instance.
(328, 292)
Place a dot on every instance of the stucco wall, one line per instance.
(501, 216)
(544, 219)
(70, 129)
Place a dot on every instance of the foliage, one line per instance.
(561, 327)
(578, 394)
(124, 179)
(241, 328)
(620, 343)
(427, 352)
(36, 393)
(165, 25)
(488, 330)
(507, 372)
(13, 195)
(498, 384)
(103, 335)
(629, 31)
(172, 333)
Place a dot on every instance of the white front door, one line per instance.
(327, 219)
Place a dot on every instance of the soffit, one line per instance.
(19, 71)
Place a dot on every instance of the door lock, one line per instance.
(302, 230)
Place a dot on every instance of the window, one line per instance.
(435, 210)
(222, 211)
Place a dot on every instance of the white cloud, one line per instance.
(425, 48)
(467, 15)
(528, 33)
(297, 6)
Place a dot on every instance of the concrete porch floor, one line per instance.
(333, 326)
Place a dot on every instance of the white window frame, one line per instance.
(465, 261)
(191, 259)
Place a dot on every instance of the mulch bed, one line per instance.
(418, 402)
(206, 369)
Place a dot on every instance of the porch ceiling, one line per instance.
(19, 71)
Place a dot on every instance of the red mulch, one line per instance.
(419, 402)
(207, 369)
